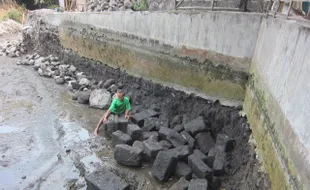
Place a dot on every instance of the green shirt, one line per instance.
(118, 107)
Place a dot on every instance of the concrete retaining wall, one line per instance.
(207, 53)
(277, 100)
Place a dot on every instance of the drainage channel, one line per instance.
(209, 142)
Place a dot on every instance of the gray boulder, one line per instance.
(83, 97)
(84, 82)
(200, 169)
(108, 82)
(164, 166)
(128, 155)
(105, 179)
(196, 126)
(183, 170)
(182, 184)
(118, 137)
(204, 142)
(60, 80)
(134, 131)
(127, 3)
(176, 139)
(100, 98)
(151, 148)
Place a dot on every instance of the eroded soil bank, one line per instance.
(242, 168)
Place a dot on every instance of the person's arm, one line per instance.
(128, 108)
(105, 117)
(102, 120)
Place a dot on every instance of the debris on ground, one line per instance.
(9, 27)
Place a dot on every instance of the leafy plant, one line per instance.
(142, 6)
(15, 14)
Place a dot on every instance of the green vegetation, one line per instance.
(15, 13)
(142, 6)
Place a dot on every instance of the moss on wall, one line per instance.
(279, 167)
(219, 82)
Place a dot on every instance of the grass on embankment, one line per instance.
(12, 11)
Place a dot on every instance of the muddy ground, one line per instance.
(47, 140)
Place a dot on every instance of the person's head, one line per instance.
(120, 94)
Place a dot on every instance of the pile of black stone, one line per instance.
(12, 49)
(186, 151)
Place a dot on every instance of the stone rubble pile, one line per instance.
(12, 49)
(109, 5)
(86, 91)
(184, 149)
(190, 153)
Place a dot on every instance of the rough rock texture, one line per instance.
(181, 152)
(105, 179)
(128, 155)
(100, 98)
(176, 139)
(200, 169)
(196, 184)
(118, 137)
(83, 97)
(225, 143)
(138, 118)
(182, 184)
(196, 126)
(164, 165)
(204, 142)
(183, 170)
(151, 148)
(134, 131)
(190, 140)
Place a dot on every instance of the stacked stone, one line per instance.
(189, 152)
(12, 49)
(85, 90)
(109, 5)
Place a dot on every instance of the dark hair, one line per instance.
(120, 90)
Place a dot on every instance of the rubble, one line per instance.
(13, 49)
(118, 137)
(105, 179)
(164, 165)
(128, 155)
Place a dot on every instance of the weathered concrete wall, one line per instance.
(277, 101)
(208, 53)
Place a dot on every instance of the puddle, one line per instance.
(7, 129)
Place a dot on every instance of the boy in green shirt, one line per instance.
(119, 106)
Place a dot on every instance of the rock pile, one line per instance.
(190, 153)
(86, 91)
(12, 49)
(109, 5)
